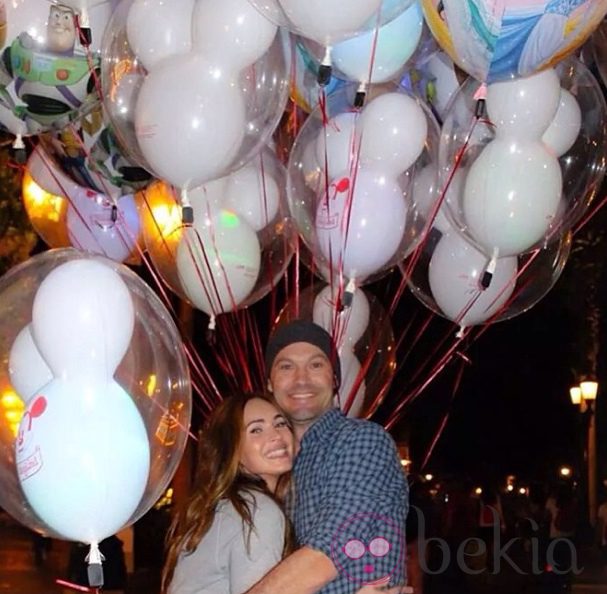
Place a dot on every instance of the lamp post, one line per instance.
(584, 396)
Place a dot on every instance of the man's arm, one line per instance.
(305, 571)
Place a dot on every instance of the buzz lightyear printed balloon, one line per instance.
(49, 57)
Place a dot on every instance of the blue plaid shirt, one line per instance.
(350, 500)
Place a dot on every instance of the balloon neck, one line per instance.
(460, 333)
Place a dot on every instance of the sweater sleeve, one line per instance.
(247, 565)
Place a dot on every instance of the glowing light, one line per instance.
(478, 491)
(151, 387)
(565, 471)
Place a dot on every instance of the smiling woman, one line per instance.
(232, 529)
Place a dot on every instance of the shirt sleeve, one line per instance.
(364, 506)
(265, 544)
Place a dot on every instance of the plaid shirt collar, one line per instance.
(322, 429)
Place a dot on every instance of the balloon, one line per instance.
(582, 167)
(211, 104)
(87, 151)
(326, 21)
(446, 279)
(151, 386)
(83, 458)
(164, 234)
(231, 32)
(98, 320)
(311, 189)
(523, 109)
(206, 111)
(254, 195)
(97, 225)
(393, 133)
(348, 324)
(507, 211)
(379, 55)
(513, 39)
(358, 213)
(565, 127)
(47, 75)
(455, 273)
(27, 369)
(218, 261)
(158, 29)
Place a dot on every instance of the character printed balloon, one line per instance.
(500, 39)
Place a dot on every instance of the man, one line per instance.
(350, 494)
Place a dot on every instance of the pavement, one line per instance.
(19, 573)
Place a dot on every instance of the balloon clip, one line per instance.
(85, 36)
(211, 336)
(481, 100)
(114, 213)
(460, 333)
(489, 272)
(361, 95)
(348, 296)
(19, 152)
(325, 70)
(187, 215)
(95, 568)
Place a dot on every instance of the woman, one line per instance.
(232, 530)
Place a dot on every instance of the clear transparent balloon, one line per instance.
(326, 22)
(525, 281)
(350, 189)
(153, 373)
(262, 88)
(580, 150)
(598, 46)
(206, 268)
(375, 350)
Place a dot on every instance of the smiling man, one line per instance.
(350, 496)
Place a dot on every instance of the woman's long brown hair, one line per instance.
(218, 476)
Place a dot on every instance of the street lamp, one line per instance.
(585, 395)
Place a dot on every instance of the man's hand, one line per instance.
(383, 587)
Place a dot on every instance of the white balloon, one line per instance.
(377, 56)
(27, 369)
(83, 458)
(91, 228)
(445, 83)
(523, 108)
(232, 32)
(189, 121)
(512, 195)
(346, 326)
(209, 197)
(393, 131)
(455, 272)
(338, 144)
(253, 195)
(157, 29)
(350, 369)
(82, 320)
(327, 21)
(566, 125)
(361, 226)
(218, 262)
